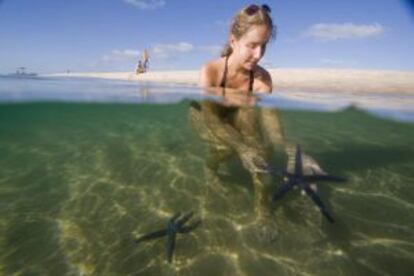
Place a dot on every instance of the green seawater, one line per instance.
(80, 181)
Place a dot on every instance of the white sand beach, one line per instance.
(320, 80)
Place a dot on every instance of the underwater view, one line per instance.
(89, 167)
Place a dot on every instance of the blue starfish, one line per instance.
(175, 225)
(297, 178)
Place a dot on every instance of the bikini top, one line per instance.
(224, 79)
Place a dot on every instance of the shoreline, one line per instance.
(312, 80)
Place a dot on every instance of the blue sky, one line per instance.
(96, 35)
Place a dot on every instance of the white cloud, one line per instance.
(328, 32)
(212, 49)
(164, 51)
(338, 62)
(119, 55)
(146, 4)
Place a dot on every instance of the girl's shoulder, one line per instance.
(211, 71)
(263, 80)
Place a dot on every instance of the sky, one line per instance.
(49, 36)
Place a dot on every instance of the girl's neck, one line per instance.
(235, 68)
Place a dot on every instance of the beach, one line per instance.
(320, 80)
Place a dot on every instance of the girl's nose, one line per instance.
(257, 54)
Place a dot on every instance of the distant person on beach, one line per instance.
(145, 59)
(140, 68)
(237, 68)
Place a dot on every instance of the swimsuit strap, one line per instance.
(224, 78)
(251, 81)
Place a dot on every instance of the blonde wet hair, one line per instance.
(247, 17)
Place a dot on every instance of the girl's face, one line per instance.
(250, 48)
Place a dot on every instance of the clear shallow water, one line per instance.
(80, 181)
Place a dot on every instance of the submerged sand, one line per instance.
(330, 80)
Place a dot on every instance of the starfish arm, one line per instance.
(189, 228)
(175, 217)
(170, 246)
(327, 177)
(172, 224)
(298, 162)
(286, 187)
(319, 203)
(152, 235)
(181, 221)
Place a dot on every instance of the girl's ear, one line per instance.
(232, 41)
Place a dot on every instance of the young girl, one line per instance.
(233, 126)
(237, 68)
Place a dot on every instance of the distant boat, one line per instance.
(20, 73)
